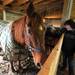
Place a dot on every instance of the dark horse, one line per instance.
(23, 33)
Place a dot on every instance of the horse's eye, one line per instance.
(40, 27)
(30, 31)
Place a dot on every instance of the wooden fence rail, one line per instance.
(51, 64)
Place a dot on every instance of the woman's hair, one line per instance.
(70, 22)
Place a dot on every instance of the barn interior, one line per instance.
(53, 12)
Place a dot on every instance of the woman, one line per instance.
(68, 47)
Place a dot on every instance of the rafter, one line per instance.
(6, 2)
(20, 2)
(44, 7)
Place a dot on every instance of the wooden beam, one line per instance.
(47, 5)
(6, 2)
(37, 1)
(73, 10)
(20, 2)
(56, 16)
(51, 64)
(4, 15)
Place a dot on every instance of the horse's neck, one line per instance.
(17, 31)
(20, 30)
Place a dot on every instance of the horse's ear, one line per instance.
(30, 9)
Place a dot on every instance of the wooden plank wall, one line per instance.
(73, 10)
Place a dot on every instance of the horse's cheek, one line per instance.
(37, 56)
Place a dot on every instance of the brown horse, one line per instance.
(19, 29)
(25, 31)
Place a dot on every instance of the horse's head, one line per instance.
(34, 22)
(37, 29)
(36, 26)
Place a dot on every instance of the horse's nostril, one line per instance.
(39, 65)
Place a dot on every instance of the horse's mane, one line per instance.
(18, 27)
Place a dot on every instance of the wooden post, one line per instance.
(6, 2)
(67, 9)
(4, 15)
